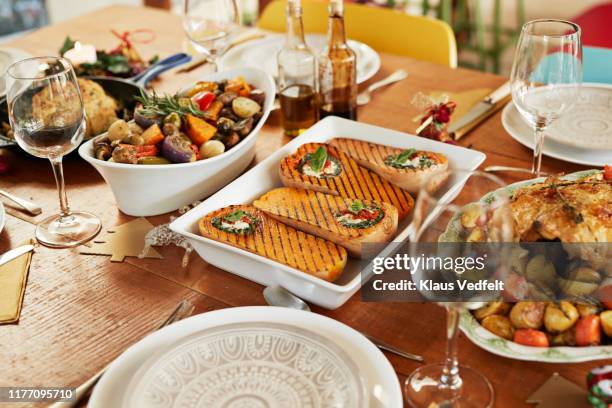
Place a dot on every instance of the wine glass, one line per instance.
(464, 226)
(209, 24)
(546, 75)
(47, 117)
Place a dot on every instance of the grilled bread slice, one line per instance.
(247, 228)
(342, 176)
(345, 221)
(407, 171)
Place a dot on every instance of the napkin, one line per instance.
(465, 102)
(13, 278)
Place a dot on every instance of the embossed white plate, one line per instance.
(520, 131)
(7, 57)
(382, 385)
(249, 365)
(587, 124)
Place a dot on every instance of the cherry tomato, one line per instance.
(146, 151)
(204, 99)
(607, 172)
(588, 331)
(531, 337)
(196, 150)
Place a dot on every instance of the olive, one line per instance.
(153, 160)
(227, 112)
(173, 119)
(102, 150)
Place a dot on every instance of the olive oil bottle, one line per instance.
(337, 69)
(297, 76)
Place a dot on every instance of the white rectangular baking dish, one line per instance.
(265, 177)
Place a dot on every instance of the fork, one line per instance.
(182, 310)
(366, 96)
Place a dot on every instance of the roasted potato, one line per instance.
(606, 322)
(586, 309)
(560, 317)
(471, 216)
(584, 274)
(527, 315)
(566, 338)
(576, 288)
(492, 308)
(541, 271)
(499, 325)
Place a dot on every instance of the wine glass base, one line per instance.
(76, 229)
(423, 389)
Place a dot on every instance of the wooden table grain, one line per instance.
(82, 311)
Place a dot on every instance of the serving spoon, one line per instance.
(279, 296)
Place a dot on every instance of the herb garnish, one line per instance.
(400, 160)
(576, 215)
(154, 105)
(234, 216)
(357, 206)
(318, 159)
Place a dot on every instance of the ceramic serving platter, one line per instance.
(502, 347)
(265, 177)
(381, 388)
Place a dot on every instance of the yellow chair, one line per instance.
(385, 30)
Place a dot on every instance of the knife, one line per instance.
(15, 253)
(481, 108)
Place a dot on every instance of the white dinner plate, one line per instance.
(265, 177)
(382, 385)
(506, 348)
(249, 365)
(587, 124)
(7, 57)
(262, 54)
(520, 131)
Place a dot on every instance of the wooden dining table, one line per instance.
(82, 311)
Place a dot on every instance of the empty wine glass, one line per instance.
(47, 117)
(546, 75)
(451, 228)
(209, 25)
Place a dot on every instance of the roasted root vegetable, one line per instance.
(152, 135)
(606, 322)
(588, 332)
(177, 150)
(561, 317)
(492, 308)
(531, 337)
(198, 130)
(499, 325)
(225, 111)
(527, 315)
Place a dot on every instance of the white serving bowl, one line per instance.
(146, 190)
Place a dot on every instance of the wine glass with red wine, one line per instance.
(48, 120)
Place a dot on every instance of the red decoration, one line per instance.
(434, 121)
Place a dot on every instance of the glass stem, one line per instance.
(537, 150)
(58, 172)
(450, 373)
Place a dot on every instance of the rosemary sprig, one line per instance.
(156, 105)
